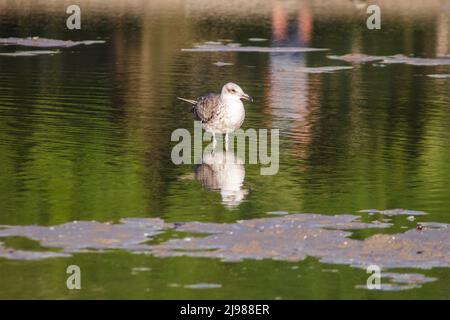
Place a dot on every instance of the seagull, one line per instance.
(220, 113)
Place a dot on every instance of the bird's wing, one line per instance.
(188, 100)
(206, 106)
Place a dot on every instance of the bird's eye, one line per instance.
(232, 90)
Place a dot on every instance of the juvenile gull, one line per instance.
(220, 113)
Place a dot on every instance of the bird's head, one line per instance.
(233, 91)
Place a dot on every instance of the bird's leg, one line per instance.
(226, 141)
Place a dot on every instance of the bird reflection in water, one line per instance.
(223, 172)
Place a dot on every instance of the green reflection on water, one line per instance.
(104, 276)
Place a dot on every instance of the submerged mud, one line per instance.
(291, 237)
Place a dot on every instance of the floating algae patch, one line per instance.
(292, 237)
(399, 58)
(401, 281)
(203, 286)
(37, 42)
(222, 64)
(278, 213)
(356, 58)
(328, 69)
(394, 212)
(214, 46)
(80, 236)
(137, 270)
(31, 53)
(258, 39)
(409, 278)
(416, 61)
(439, 76)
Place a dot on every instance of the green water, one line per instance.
(85, 135)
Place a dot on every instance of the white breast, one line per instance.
(234, 114)
(229, 117)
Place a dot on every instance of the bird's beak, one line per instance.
(246, 97)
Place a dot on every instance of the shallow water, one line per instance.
(85, 135)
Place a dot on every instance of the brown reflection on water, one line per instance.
(279, 22)
(442, 31)
(305, 23)
(292, 100)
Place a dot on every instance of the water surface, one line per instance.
(85, 135)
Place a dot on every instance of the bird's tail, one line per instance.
(187, 100)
